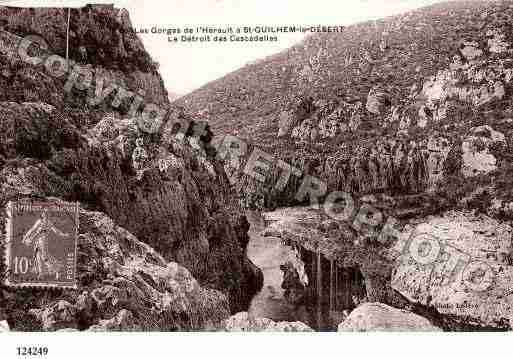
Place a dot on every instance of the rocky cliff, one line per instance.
(412, 116)
(409, 104)
(124, 285)
(453, 269)
(172, 227)
(100, 38)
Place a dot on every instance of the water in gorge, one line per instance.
(330, 291)
(268, 253)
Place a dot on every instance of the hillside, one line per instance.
(412, 117)
(344, 66)
(382, 107)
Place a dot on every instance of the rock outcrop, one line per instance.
(123, 284)
(412, 112)
(204, 227)
(427, 91)
(467, 271)
(378, 101)
(335, 248)
(453, 269)
(242, 322)
(476, 148)
(167, 191)
(377, 317)
(113, 52)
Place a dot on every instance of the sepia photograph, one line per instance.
(175, 168)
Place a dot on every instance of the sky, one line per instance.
(188, 66)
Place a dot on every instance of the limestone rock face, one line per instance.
(178, 183)
(123, 285)
(374, 317)
(377, 101)
(242, 322)
(460, 265)
(470, 50)
(454, 269)
(286, 123)
(293, 282)
(304, 133)
(171, 195)
(59, 315)
(114, 52)
(477, 157)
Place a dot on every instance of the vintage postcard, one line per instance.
(256, 166)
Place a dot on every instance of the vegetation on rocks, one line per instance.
(163, 240)
(397, 105)
(411, 115)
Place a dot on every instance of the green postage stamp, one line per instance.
(41, 246)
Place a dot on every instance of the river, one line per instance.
(268, 253)
(330, 293)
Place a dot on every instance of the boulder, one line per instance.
(497, 41)
(4, 326)
(303, 132)
(458, 264)
(477, 156)
(378, 101)
(242, 322)
(374, 317)
(299, 227)
(470, 50)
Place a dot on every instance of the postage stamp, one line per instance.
(41, 248)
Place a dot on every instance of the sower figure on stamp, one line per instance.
(38, 237)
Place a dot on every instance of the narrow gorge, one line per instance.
(356, 181)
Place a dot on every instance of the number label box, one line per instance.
(32, 351)
(41, 246)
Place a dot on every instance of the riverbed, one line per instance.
(331, 291)
(268, 253)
